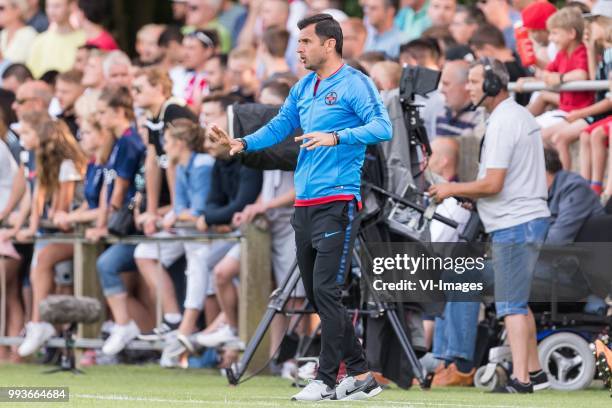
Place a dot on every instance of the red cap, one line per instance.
(535, 15)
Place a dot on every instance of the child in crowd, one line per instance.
(583, 119)
(565, 28)
(534, 18)
(58, 189)
(594, 140)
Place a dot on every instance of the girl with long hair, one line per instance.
(60, 165)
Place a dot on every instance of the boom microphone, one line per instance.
(63, 309)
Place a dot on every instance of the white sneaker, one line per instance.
(120, 336)
(316, 390)
(173, 355)
(350, 388)
(173, 348)
(37, 333)
(225, 334)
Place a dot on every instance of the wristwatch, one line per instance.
(336, 137)
(244, 144)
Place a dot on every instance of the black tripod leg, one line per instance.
(396, 322)
(277, 302)
(398, 328)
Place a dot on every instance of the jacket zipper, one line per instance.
(311, 153)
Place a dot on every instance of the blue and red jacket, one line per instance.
(346, 102)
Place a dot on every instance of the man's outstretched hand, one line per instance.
(222, 139)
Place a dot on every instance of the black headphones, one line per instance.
(492, 84)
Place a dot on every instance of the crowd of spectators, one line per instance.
(87, 131)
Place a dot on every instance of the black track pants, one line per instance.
(324, 236)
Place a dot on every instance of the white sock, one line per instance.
(173, 318)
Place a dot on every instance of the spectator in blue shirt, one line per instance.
(183, 141)
(97, 143)
(116, 114)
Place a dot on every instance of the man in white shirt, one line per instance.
(511, 193)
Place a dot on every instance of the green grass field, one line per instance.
(151, 386)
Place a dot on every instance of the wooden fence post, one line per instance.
(255, 287)
(86, 282)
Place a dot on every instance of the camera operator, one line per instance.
(511, 193)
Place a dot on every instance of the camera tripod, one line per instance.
(279, 298)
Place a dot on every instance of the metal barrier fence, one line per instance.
(533, 86)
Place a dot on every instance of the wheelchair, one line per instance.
(565, 331)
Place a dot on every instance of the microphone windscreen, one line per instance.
(62, 309)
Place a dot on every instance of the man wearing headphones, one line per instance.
(511, 198)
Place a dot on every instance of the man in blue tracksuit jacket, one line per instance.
(340, 112)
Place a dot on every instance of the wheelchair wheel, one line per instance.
(499, 378)
(568, 361)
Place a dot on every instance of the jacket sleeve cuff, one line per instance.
(344, 136)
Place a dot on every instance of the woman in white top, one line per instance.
(60, 166)
(14, 319)
(16, 37)
(8, 168)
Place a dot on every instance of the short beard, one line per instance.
(314, 66)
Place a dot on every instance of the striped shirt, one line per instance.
(453, 125)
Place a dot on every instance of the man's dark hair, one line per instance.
(459, 52)
(277, 88)
(417, 48)
(50, 77)
(222, 59)
(325, 28)
(487, 34)
(19, 71)
(473, 15)
(170, 33)
(552, 160)
(95, 11)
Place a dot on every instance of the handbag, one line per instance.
(121, 222)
